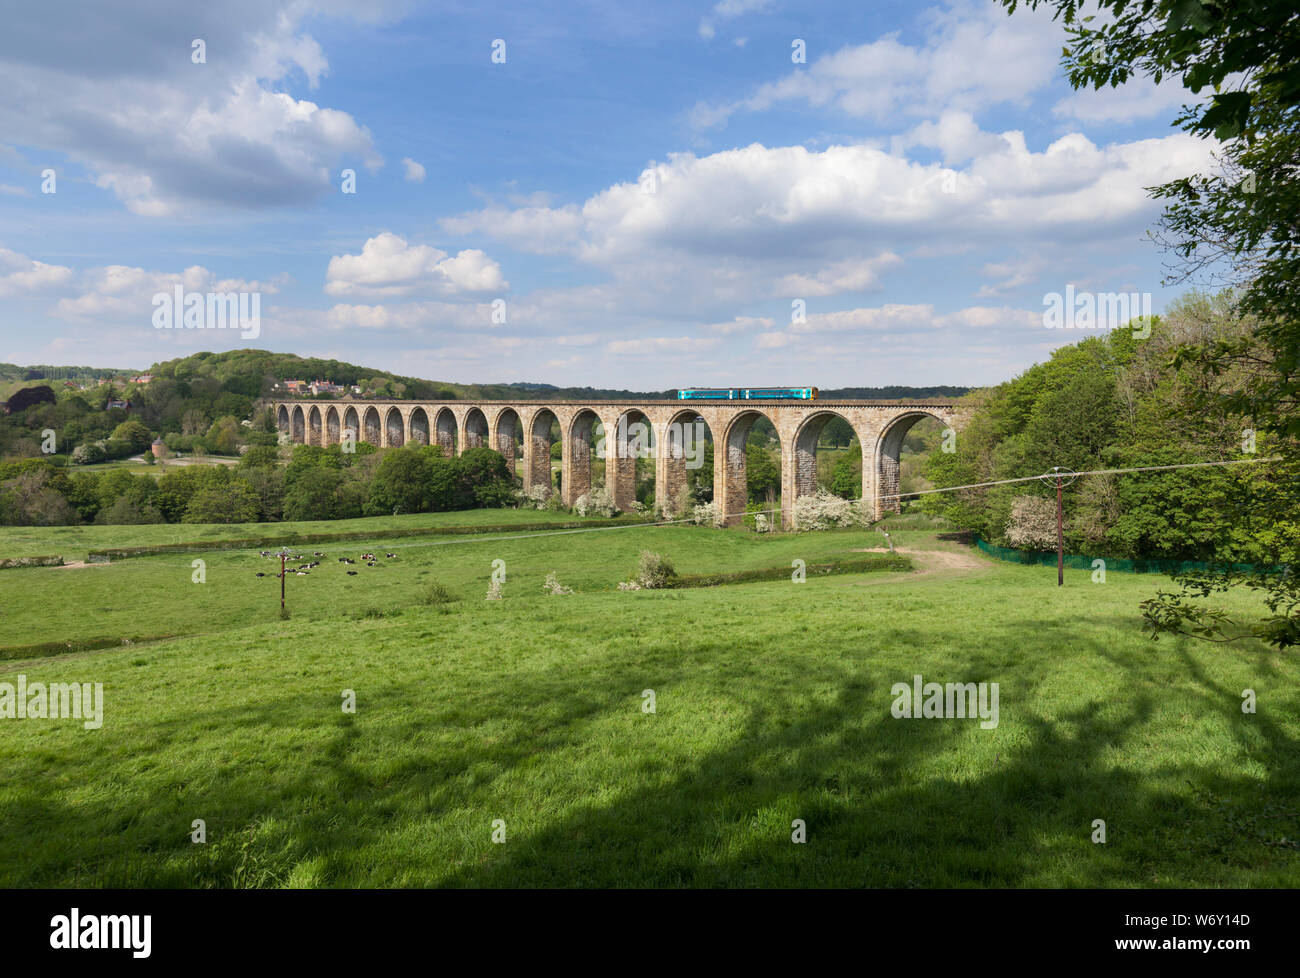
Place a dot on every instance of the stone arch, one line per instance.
(733, 495)
(444, 429)
(886, 457)
(685, 448)
(508, 436)
(804, 454)
(352, 423)
(373, 430)
(314, 427)
(282, 419)
(577, 469)
(299, 433)
(537, 452)
(419, 425)
(394, 428)
(633, 438)
(476, 429)
(332, 426)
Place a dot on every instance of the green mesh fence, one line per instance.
(1048, 558)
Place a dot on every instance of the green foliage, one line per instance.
(762, 472)
(1111, 402)
(313, 495)
(402, 484)
(235, 502)
(224, 436)
(1237, 222)
(654, 571)
(136, 435)
(846, 480)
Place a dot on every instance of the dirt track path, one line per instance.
(937, 561)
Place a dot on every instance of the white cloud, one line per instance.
(837, 218)
(652, 345)
(742, 324)
(1138, 98)
(730, 10)
(414, 171)
(126, 102)
(850, 275)
(974, 56)
(20, 275)
(388, 266)
(124, 294)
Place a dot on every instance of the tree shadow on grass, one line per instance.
(886, 802)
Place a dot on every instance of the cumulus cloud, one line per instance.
(388, 266)
(20, 275)
(414, 171)
(851, 275)
(780, 214)
(123, 97)
(973, 55)
(124, 294)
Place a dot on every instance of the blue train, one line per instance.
(747, 394)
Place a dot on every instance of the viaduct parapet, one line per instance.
(667, 431)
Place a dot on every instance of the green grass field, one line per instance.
(73, 542)
(772, 704)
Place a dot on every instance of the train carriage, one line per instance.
(747, 394)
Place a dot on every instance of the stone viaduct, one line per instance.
(668, 431)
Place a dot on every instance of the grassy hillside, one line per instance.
(772, 704)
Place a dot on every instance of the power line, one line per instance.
(1092, 472)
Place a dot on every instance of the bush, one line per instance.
(598, 503)
(553, 585)
(90, 454)
(654, 571)
(706, 514)
(437, 594)
(1032, 525)
(134, 434)
(826, 511)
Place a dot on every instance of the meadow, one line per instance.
(525, 716)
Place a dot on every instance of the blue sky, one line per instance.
(648, 193)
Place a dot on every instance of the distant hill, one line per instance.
(893, 393)
(253, 373)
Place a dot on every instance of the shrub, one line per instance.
(654, 571)
(535, 498)
(88, 454)
(706, 514)
(436, 594)
(826, 511)
(599, 503)
(1032, 524)
(553, 585)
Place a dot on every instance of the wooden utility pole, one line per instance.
(283, 553)
(1060, 478)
